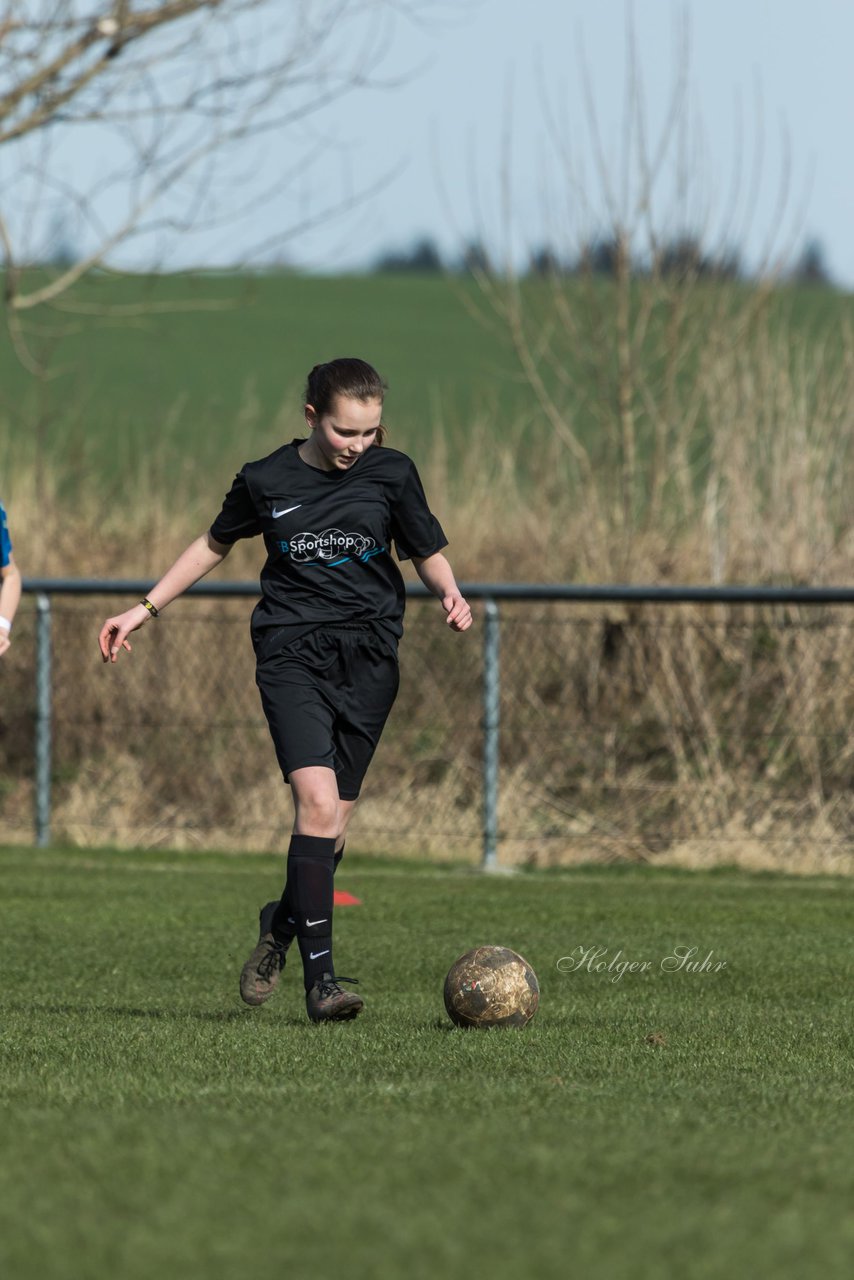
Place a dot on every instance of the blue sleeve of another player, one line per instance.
(5, 540)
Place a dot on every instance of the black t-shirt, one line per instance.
(328, 536)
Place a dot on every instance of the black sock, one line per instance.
(284, 919)
(311, 860)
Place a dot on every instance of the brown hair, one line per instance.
(346, 376)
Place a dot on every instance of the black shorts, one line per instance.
(326, 697)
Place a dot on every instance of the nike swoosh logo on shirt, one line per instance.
(285, 511)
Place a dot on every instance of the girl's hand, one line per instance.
(458, 611)
(115, 631)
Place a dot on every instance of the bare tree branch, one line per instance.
(178, 97)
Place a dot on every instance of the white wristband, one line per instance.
(5, 625)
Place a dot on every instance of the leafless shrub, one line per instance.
(178, 101)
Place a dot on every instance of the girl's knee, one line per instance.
(317, 814)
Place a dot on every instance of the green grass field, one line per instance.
(222, 377)
(186, 375)
(153, 1126)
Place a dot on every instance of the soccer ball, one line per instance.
(491, 987)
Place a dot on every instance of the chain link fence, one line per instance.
(690, 734)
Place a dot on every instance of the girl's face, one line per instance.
(342, 435)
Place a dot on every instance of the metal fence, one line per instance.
(683, 724)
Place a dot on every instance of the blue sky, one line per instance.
(768, 99)
(488, 133)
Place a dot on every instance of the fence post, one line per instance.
(491, 716)
(43, 719)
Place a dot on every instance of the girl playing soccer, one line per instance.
(325, 634)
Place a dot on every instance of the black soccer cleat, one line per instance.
(326, 1002)
(260, 975)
